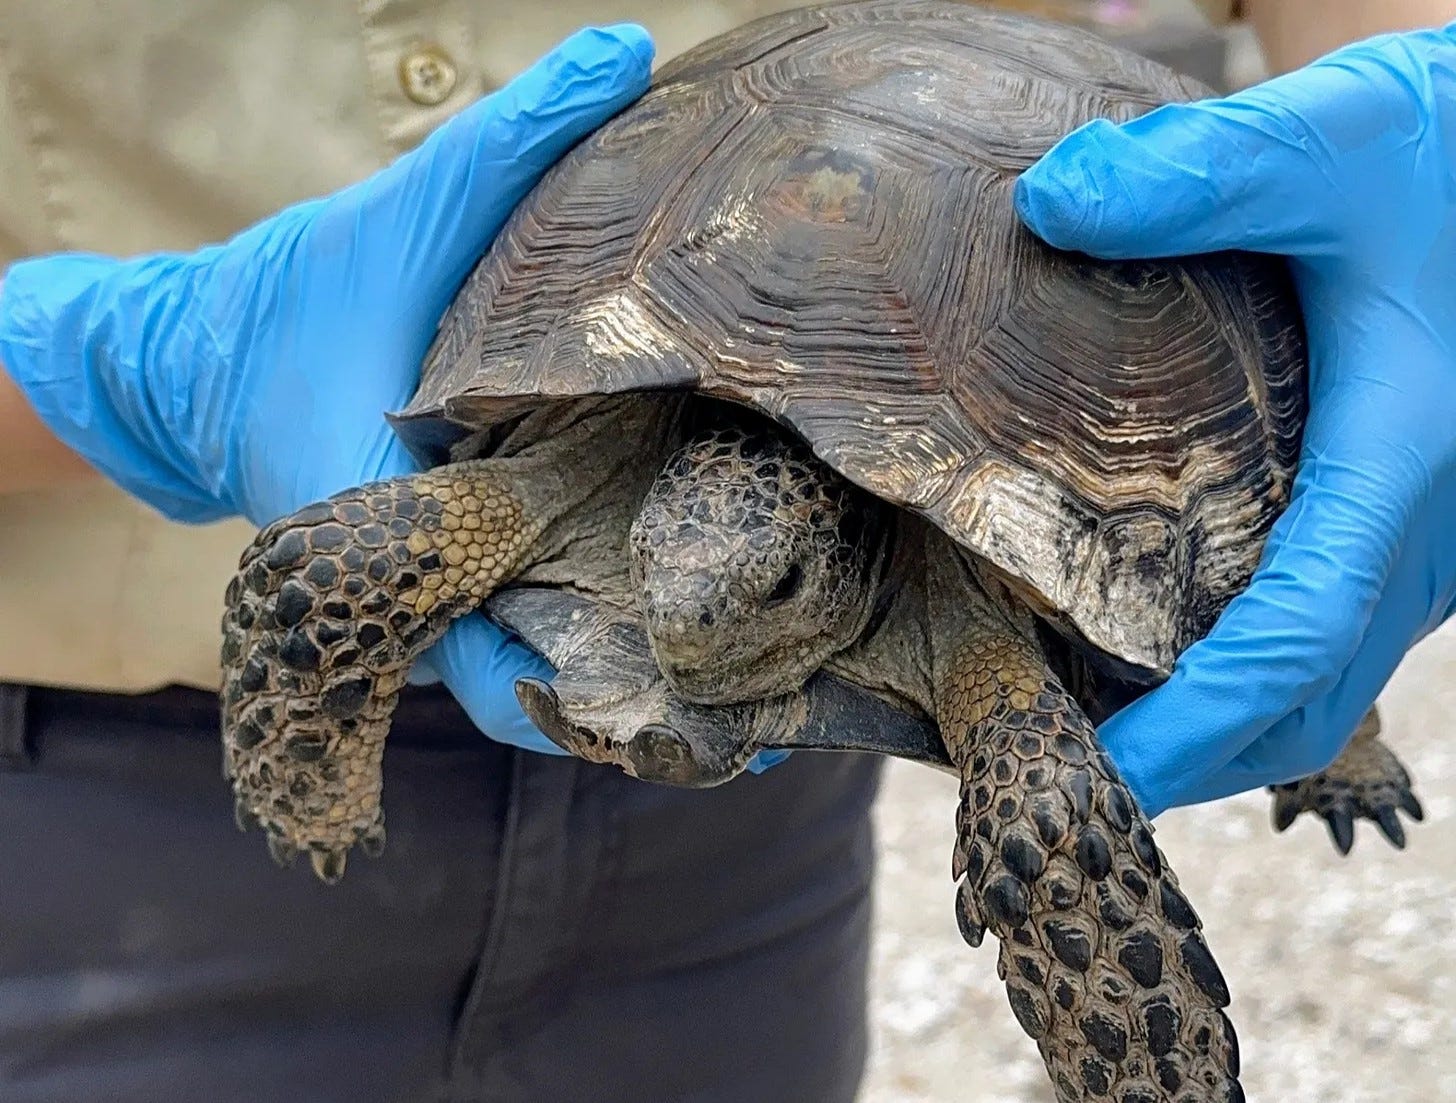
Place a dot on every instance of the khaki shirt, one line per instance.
(138, 125)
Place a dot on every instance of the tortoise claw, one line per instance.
(1412, 806)
(242, 816)
(372, 841)
(1342, 828)
(328, 865)
(960, 859)
(1389, 824)
(543, 708)
(1366, 782)
(281, 851)
(1286, 809)
(968, 915)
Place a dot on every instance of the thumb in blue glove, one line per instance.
(1348, 167)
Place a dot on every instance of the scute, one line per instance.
(812, 216)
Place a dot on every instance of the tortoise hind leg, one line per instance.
(328, 610)
(1367, 781)
(1102, 956)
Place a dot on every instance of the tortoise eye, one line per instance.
(787, 586)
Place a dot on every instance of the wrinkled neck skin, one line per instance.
(583, 468)
(753, 563)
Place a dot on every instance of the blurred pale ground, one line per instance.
(1343, 970)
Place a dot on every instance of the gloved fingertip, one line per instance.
(422, 673)
(480, 663)
(1065, 197)
(1152, 802)
(1049, 207)
(1159, 751)
(766, 759)
(635, 37)
(603, 64)
(1154, 799)
(455, 191)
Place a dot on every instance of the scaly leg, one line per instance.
(1367, 781)
(1101, 953)
(327, 612)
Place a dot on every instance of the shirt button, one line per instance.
(428, 76)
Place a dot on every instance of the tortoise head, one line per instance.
(754, 562)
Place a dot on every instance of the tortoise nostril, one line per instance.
(786, 587)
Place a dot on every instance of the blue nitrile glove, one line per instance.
(1348, 167)
(252, 377)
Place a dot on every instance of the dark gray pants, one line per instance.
(538, 931)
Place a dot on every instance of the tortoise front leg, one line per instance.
(1367, 781)
(328, 610)
(1100, 952)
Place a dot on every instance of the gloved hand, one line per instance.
(252, 377)
(1348, 167)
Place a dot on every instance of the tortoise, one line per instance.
(766, 422)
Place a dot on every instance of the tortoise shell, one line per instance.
(812, 216)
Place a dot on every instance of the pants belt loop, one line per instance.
(16, 752)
